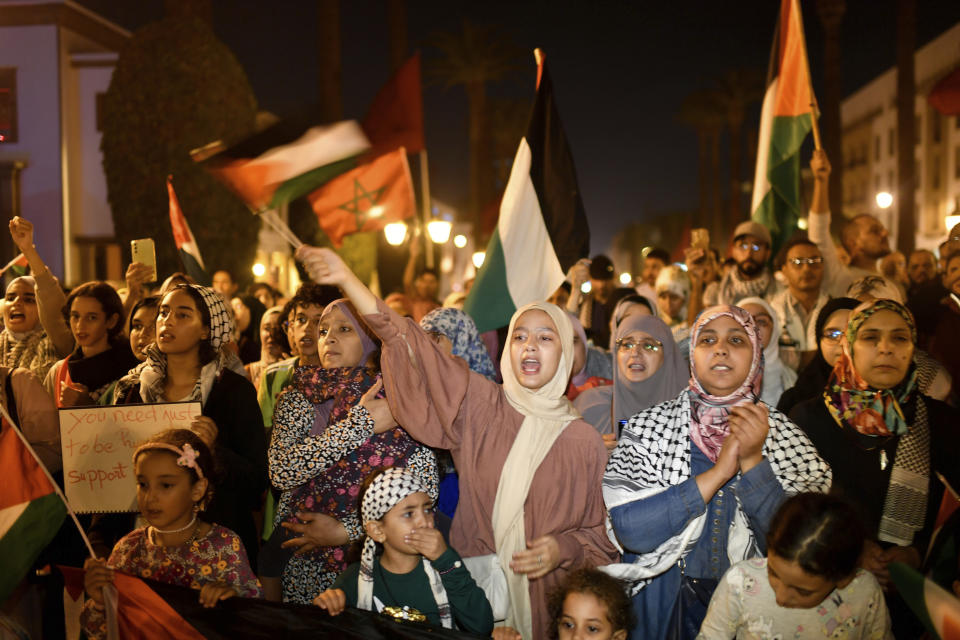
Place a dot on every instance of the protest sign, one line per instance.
(98, 445)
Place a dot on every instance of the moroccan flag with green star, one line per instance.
(542, 229)
(367, 198)
(785, 121)
(31, 511)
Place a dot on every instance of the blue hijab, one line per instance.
(462, 333)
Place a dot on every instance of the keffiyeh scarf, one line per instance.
(654, 455)
(386, 490)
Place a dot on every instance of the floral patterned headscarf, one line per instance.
(460, 329)
(850, 399)
(710, 414)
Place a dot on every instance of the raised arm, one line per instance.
(818, 229)
(50, 297)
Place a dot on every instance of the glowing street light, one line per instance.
(395, 232)
(439, 230)
(884, 199)
(586, 287)
(259, 270)
(478, 259)
(375, 211)
(459, 241)
(626, 278)
(951, 222)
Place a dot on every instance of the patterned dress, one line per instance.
(218, 556)
(320, 468)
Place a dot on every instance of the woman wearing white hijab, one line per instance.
(530, 469)
(777, 377)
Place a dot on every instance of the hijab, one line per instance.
(604, 407)
(813, 378)
(348, 310)
(580, 377)
(777, 377)
(710, 414)
(547, 412)
(849, 398)
(460, 329)
(620, 309)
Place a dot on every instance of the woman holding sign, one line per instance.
(187, 364)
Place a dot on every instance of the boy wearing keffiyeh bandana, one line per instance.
(417, 576)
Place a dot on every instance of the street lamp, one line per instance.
(884, 199)
(478, 259)
(439, 230)
(626, 279)
(459, 241)
(259, 269)
(396, 232)
(951, 222)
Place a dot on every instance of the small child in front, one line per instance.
(173, 471)
(417, 576)
(808, 586)
(591, 604)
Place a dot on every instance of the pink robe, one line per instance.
(443, 404)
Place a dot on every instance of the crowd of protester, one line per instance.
(727, 449)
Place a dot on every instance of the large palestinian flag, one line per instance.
(285, 161)
(31, 512)
(785, 121)
(183, 237)
(151, 610)
(542, 229)
(938, 610)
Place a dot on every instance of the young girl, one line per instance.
(591, 604)
(808, 586)
(142, 328)
(95, 314)
(173, 472)
(530, 469)
(397, 513)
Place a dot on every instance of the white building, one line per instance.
(869, 120)
(56, 59)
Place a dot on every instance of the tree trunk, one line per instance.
(906, 123)
(831, 15)
(397, 24)
(477, 105)
(329, 67)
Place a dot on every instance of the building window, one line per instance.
(876, 183)
(8, 105)
(892, 141)
(917, 129)
(956, 161)
(890, 183)
(876, 148)
(935, 126)
(935, 173)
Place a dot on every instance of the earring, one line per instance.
(196, 508)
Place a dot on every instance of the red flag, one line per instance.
(395, 118)
(186, 243)
(367, 198)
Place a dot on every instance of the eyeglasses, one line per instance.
(750, 246)
(833, 335)
(799, 262)
(646, 345)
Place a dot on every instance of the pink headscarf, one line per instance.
(709, 414)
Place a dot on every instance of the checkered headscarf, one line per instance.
(221, 320)
(386, 490)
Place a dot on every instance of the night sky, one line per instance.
(620, 71)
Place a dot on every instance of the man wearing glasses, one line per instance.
(798, 305)
(751, 277)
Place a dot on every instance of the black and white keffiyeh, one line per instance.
(386, 490)
(654, 454)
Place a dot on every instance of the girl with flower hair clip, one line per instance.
(173, 472)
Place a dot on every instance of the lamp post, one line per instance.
(439, 230)
(396, 233)
(884, 200)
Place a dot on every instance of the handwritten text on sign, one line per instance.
(98, 444)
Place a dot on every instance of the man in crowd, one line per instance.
(921, 268)
(594, 310)
(797, 306)
(224, 284)
(864, 237)
(421, 286)
(751, 277)
(655, 260)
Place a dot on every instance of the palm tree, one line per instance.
(831, 13)
(737, 90)
(474, 57)
(701, 110)
(906, 124)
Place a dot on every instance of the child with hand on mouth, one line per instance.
(417, 576)
(173, 472)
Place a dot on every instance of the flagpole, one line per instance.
(11, 263)
(425, 196)
(56, 487)
(813, 98)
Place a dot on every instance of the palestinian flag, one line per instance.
(18, 265)
(542, 229)
(785, 121)
(937, 609)
(155, 611)
(395, 118)
(31, 511)
(367, 198)
(186, 243)
(285, 161)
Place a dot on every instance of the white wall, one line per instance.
(33, 51)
